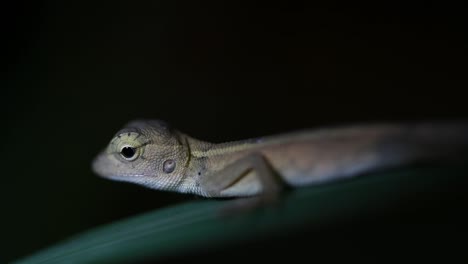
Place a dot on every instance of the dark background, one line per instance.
(74, 73)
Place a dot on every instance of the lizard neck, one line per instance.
(204, 157)
(203, 149)
(193, 164)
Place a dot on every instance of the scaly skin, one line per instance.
(152, 154)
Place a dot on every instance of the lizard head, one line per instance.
(145, 152)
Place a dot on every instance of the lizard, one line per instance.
(153, 154)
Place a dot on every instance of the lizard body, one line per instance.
(152, 154)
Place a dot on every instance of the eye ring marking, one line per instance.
(169, 166)
(129, 153)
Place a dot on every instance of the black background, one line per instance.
(75, 72)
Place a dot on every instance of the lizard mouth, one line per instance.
(128, 178)
(99, 165)
(125, 176)
(102, 166)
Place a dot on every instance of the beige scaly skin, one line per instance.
(152, 154)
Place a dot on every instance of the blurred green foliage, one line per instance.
(398, 201)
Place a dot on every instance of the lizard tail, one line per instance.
(349, 152)
(427, 142)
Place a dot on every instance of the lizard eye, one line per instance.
(129, 153)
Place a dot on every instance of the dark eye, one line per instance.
(129, 153)
(169, 166)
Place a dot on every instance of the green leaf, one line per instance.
(186, 228)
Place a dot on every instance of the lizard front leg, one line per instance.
(270, 182)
